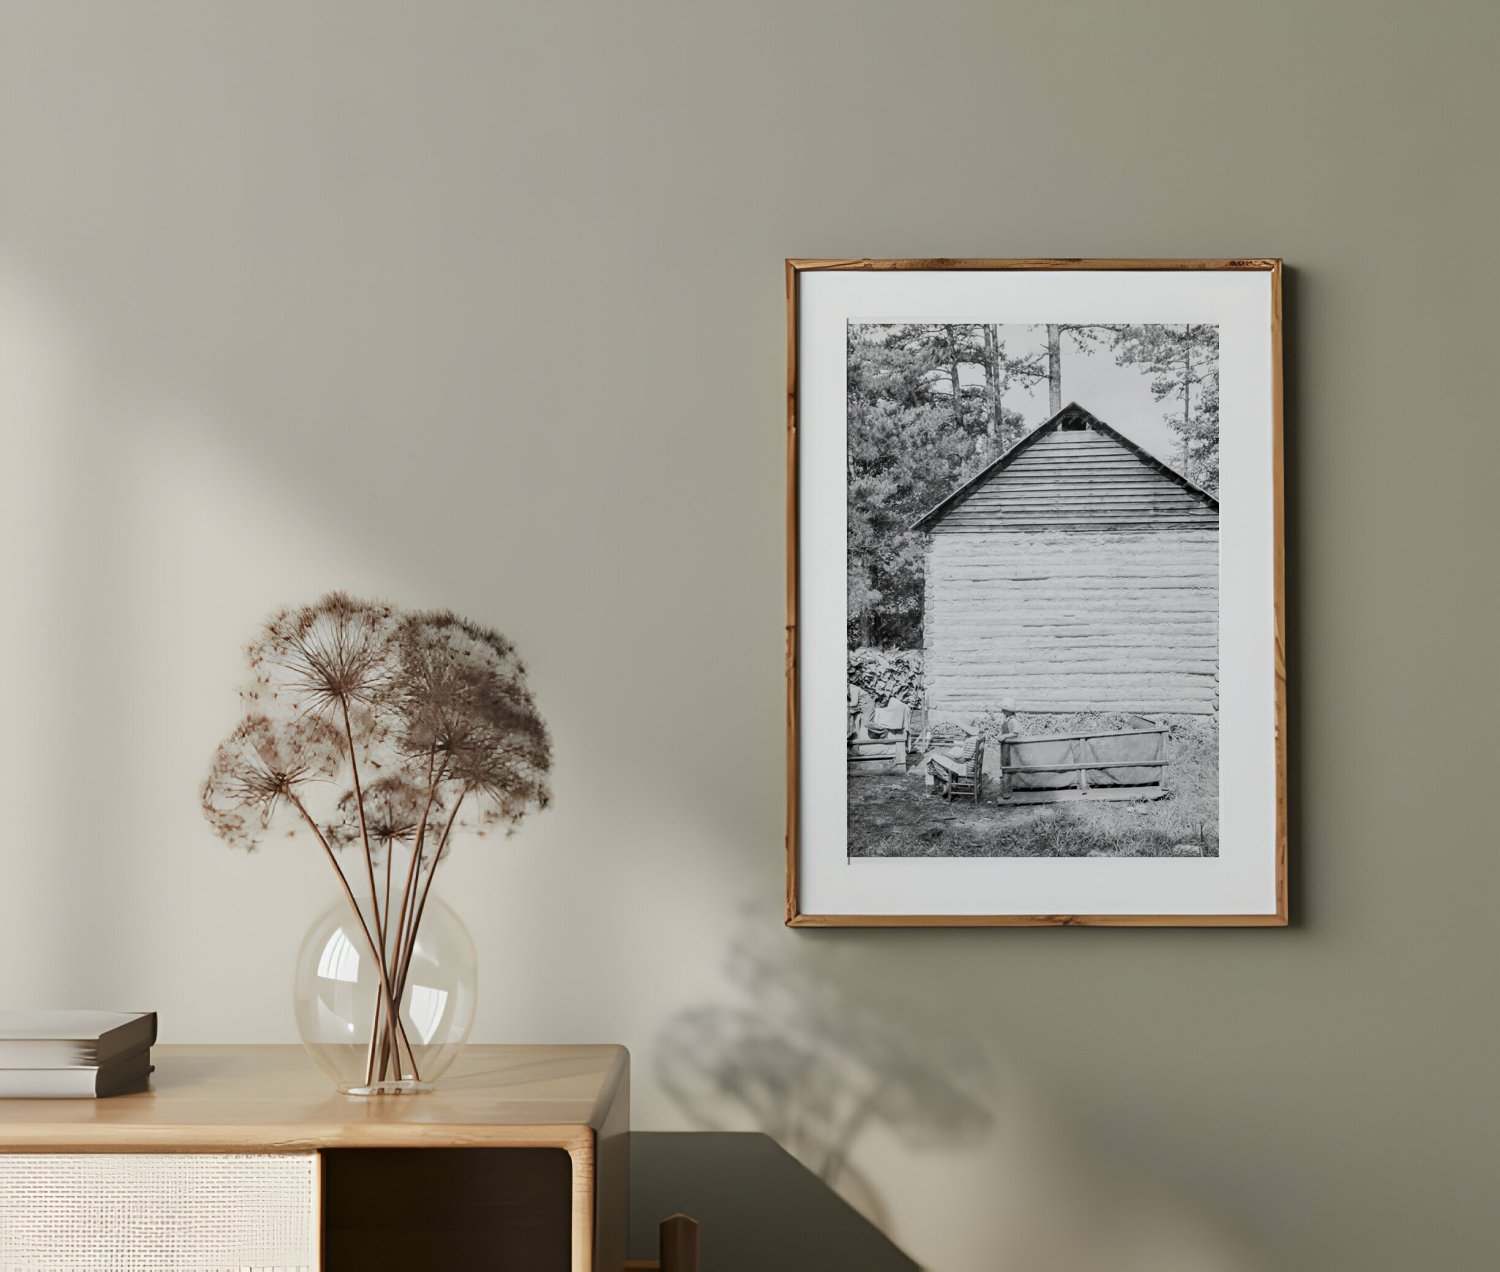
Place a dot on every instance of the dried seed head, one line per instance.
(261, 768)
(463, 696)
(394, 805)
(431, 705)
(325, 657)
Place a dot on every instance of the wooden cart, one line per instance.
(1114, 764)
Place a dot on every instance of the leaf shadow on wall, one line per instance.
(803, 1057)
(913, 1109)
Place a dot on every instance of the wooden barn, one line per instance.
(1076, 573)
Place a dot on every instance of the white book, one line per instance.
(72, 1039)
(120, 1076)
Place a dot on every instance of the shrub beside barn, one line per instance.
(1075, 573)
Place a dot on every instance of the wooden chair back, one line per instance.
(677, 1248)
(679, 1244)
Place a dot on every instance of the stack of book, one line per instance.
(49, 1055)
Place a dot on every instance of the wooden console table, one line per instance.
(519, 1160)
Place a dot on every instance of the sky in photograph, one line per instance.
(1120, 396)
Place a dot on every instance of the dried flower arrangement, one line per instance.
(378, 733)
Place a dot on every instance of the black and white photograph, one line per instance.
(1036, 668)
(1033, 560)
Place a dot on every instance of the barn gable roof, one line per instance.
(1071, 415)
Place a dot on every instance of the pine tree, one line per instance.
(909, 444)
(1082, 335)
(1183, 360)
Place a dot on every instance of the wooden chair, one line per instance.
(881, 743)
(960, 775)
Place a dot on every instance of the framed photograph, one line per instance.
(1035, 668)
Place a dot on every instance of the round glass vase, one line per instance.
(340, 1000)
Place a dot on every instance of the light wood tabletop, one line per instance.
(274, 1099)
(241, 1099)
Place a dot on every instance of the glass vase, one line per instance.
(341, 1000)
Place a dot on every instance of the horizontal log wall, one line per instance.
(1060, 619)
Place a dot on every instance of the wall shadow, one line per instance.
(801, 1058)
(872, 1081)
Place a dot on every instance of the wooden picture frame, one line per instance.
(994, 293)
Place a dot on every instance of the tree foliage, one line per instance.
(1183, 362)
(916, 430)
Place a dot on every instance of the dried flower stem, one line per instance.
(403, 965)
(434, 779)
(364, 831)
(385, 953)
(387, 901)
(364, 838)
(385, 984)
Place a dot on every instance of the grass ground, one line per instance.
(896, 815)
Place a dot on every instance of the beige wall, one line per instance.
(480, 305)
